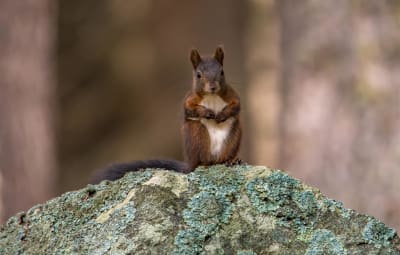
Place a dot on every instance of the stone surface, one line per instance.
(242, 210)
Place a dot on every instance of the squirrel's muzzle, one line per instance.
(212, 87)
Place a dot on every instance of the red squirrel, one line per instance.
(211, 127)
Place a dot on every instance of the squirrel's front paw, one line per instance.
(220, 117)
(209, 115)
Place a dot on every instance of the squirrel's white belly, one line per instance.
(218, 132)
(213, 102)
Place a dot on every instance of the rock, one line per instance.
(219, 210)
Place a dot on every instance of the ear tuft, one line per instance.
(219, 54)
(195, 58)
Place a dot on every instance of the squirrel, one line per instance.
(211, 127)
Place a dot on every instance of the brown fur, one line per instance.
(195, 134)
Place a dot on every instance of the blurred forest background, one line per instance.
(87, 83)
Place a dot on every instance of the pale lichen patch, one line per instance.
(265, 223)
(257, 172)
(274, 248)
(106, 215)
(175, 182)
(151, 233)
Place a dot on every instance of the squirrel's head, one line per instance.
(208, 73)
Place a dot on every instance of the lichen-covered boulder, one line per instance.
(216, 210)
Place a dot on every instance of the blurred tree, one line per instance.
(27, 156)
(263, 91)
(340, 122)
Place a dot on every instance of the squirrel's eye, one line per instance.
(222, 72)
(198, 75)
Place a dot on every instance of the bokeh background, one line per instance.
(87, 83)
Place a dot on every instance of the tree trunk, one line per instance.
(27, 161)
(263, 94)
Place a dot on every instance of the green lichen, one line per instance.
(336, 207)
(246, 252)
(284, 197)
(306, 202)
(324, 242)
(376, 233)
(209, 208)
(214, 210)
(272, 192)
(118, 222)
(73, 215)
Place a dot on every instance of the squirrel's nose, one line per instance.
(213, 87)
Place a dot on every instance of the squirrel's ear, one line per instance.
(195, 58)
(219, 54)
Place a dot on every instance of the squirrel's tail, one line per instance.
(118, 170)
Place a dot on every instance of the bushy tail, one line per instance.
(118, 170)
